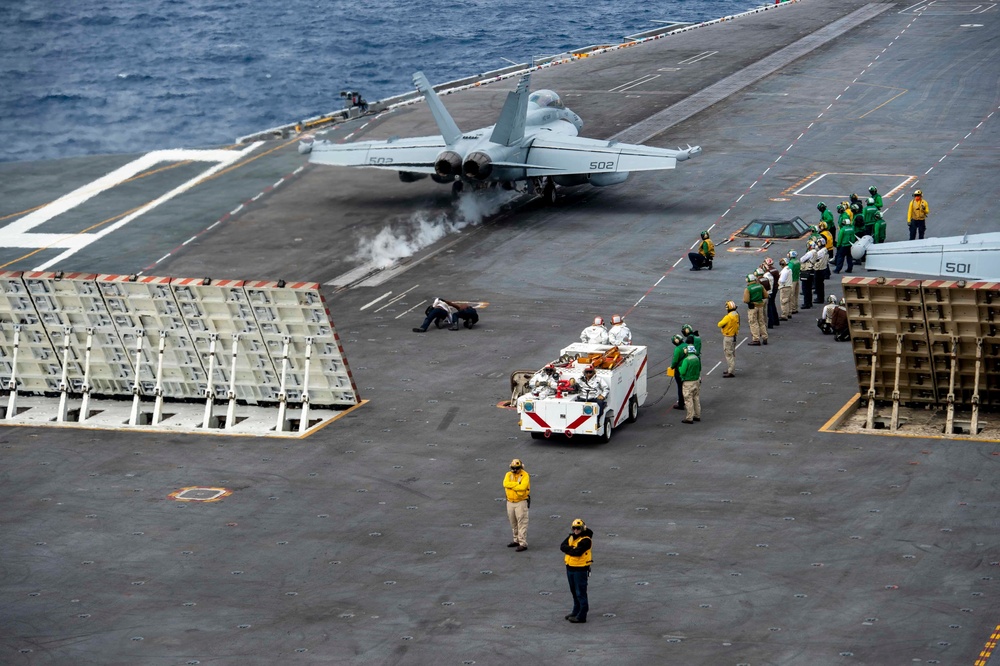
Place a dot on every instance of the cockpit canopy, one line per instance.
(546, 99)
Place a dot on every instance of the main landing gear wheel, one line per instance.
(606, 430)
(633, 410)
(549, 192)
(456, 188)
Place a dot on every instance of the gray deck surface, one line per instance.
(750, 538)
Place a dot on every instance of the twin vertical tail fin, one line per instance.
(510, 126)
(449, 130)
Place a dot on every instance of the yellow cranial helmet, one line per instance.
(578, 523)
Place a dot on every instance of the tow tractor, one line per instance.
(622, 367)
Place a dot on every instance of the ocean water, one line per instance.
(92, 77)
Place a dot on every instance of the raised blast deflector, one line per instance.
(926, 342)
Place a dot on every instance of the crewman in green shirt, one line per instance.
(755, 296)
(826, 216)
(796, 266)
(690, 374)
(845, 239)
(876, 196)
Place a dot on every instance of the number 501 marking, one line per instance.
(602, 165)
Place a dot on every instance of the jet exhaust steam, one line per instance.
(409, 235)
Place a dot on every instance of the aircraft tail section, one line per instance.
(510, 126)
(449, 130)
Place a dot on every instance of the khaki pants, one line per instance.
(786, 301)
(517, 514)
(758, 325)
(729, 351)
(796, 295)
(692, 399)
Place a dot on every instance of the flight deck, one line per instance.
(755, 536)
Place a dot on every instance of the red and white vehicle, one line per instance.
(624, 370)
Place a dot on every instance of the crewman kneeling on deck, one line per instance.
(439, 312)
(825, 321)
(705, 255)
(466, 313)
(841, 325)
(593, 388)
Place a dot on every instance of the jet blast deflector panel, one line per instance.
(269, 344)
(926, 342)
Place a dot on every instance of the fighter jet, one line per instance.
(533, 146)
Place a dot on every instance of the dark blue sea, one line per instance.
(88, 77)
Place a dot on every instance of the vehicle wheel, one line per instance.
(633, 409)
(537, 435)
(456, 188)
(606, 430)
(549, 193)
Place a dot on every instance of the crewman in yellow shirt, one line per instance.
(517, 485)
(730, 326)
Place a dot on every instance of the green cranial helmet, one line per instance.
(677, 339)
(821, 206)
(873, 189)
(704, 235)
(687, 329)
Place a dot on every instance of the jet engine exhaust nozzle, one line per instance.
(448, 164)
(478, 166)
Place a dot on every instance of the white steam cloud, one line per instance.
(406, 236)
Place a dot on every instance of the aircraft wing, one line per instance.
(568, 155)
(970, 257)
(415, 155)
